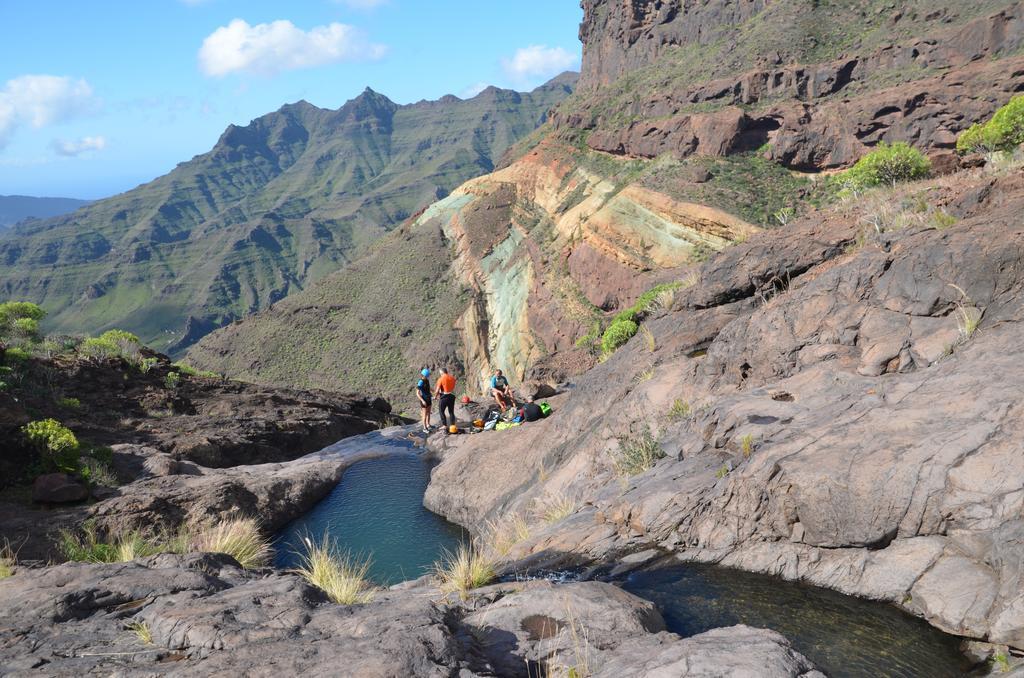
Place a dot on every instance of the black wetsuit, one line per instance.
(531, 412)
(446, 402)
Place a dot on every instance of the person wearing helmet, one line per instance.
(501, 391)
(446, 398)
(423, 395)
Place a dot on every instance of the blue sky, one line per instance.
(97, 97)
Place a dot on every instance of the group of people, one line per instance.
(444, 393)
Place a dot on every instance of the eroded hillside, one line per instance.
(274, 206)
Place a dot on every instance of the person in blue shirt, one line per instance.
(501, 391)
(424, 396)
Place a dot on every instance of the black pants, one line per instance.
(447, 402)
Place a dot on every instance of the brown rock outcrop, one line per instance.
(812, 114)
(845, 422)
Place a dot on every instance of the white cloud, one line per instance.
(473, 90)
(538, 61)
(71, 148)
(268, 49)
(41, 100)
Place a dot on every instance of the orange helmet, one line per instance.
(453, 429)
(465, 400)
(479, 423)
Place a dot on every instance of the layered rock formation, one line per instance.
(815, 85)
(833, 408)
(506, 272)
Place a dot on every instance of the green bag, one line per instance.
(545, 409)
(502, 425)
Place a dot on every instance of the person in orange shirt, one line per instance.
(445, 394)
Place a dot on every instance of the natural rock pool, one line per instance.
(842, 635)
(377, 510)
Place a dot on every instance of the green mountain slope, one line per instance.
(274, 206)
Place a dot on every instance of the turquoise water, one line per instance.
(842, 635)
(377, 510)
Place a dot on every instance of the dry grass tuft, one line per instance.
(341, 576)
(747, 445)
(8, 559)
(554, 507)
(240, 538)
(503, 535)
(141, 631)
(464, 570)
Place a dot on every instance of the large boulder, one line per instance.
(58, 488)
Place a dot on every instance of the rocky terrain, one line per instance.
(824, 410)
(275, 205)
(203, 615)
(199, 447)
(673, 147)
(813, 85)
(825, 387)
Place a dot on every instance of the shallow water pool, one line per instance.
(377, 510)
(842, 635)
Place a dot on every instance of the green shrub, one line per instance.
(95, 347)
(89, 549)
(888, 165)
(188, 370)
(680, 410)
(1002, 132)
(101, 453)
(14, 355)
(147, 364)
(617, 334)
(114, 344)
(172, 380)
(57, 445)
(70, 403)
(637, 453)
(119, 337)
(20, 319)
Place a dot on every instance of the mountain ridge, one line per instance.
(273, 206)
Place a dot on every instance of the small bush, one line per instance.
(20, 319)
(680, 410)
(649, 341)
(69, 403)
(172, 380)
(95, 347)
(240, 538)
(1004, 131)
(341, 577)
(190, 371)
(617, 334)
(888, 165)
(747, 445)
(87, 547)
(464, 570)
(637, 453)
(14, 355)
(120, 337)
(95, 472)
(147, 364)
(56, 444)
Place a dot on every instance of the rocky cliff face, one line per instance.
(509, 272)
(832, 408)
(813, 85)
